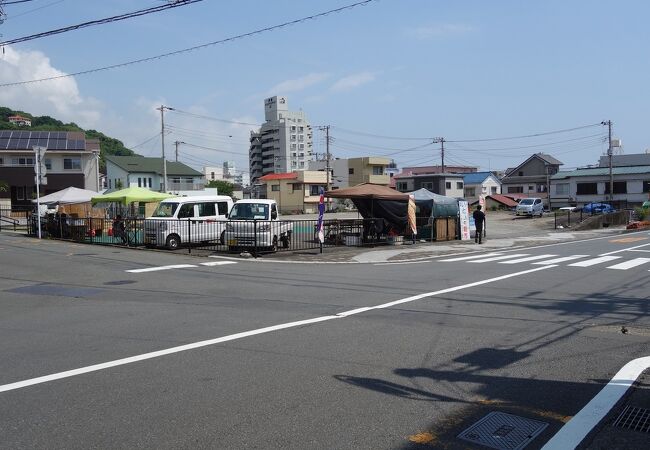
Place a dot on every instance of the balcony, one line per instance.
(186, 186)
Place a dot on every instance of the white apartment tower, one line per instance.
(283, 143)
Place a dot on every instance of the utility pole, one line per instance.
(177, 143)
(441, 140)
(162, 140)
(609, 155)
(327, 155)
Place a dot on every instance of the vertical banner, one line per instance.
(321, 212)
(481, 201)
(411, 216)
(463, 208)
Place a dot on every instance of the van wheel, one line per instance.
(173, 242)
(286, 241)
(222, 238)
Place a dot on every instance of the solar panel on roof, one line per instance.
(81, 145)
(3, 143)
(24, 134)
(5, 134)
(42, 142)
(22, 143)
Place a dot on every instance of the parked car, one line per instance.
(532, 206)
(597, 208)
(257, 223)
(183, 220)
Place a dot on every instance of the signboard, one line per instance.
(481, 201)
(463, 208)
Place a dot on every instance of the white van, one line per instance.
(182, 220)
(531, 206)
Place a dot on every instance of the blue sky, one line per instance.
(408, 69)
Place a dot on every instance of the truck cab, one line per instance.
(257, 223)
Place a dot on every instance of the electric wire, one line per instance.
(197, 47)
(106, 20)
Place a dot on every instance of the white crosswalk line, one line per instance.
(155, 269)
(529, 258)
(499, 258)
(465, 258)
(560, 260)
(218, 263)
(593, 262)
(629, 264)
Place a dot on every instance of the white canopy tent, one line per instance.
(67, 196)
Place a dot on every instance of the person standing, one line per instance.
(479, 221)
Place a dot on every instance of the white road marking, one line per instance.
(465, 258)
(563, 259)
(217, 263)
(629, 264)
(625, 249)
(642, 251)
(529, 258)
(499, 258)
(396, 263)
(236, 336)
(155, 269)
(593, 262)
(575, 430)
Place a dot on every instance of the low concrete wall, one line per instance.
(603, 220)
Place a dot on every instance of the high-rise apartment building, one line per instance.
(283, 143)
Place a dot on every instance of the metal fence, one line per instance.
(14, 218)
(253, 236)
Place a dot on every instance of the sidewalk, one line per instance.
(424, 250)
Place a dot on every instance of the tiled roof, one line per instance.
(476, 177)
(152, 165)
(279, 176)
(599, 171)
(503, 199)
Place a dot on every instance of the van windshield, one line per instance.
(165, 209)
(249, 211)
(526, 201)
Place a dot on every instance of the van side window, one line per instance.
(186, 210)
(206, 209)
(223, 208)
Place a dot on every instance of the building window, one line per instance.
(302, 164)
(515, 189)
(293, 146)
(620, 187)
(377, 170)
(20, 193)
(139, 182)
(521, 173)
(293, 137)
(531, 188)
(72, 163)
(1, 162)
(314, 189)
(301, 129)
(447, 184)
(301, 146)
(48, 164)
(212, 175)
(428, 185)
(293, 128)
(470, 192)
(541, 188)
(109, 183)
(587, 189)
(301, 138)
(646, 186)
(22, 161)
(275, 188)
(401, 186)
(459, 184)
(150, 183)
(493, 189)
(562, 189)
(350, 171)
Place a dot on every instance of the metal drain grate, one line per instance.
(503, 431)
(633, 418)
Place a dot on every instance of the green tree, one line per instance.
(223, 187)
(4, 187)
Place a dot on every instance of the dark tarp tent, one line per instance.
(377, 201)
(434, 205)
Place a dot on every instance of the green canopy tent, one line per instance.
(131, 195)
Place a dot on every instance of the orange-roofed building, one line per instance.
(295, 192)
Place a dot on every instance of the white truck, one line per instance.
(184, 220)
(255, 223)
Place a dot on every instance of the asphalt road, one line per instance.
(97, 353)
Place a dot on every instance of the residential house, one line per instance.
(70, 160)
(20, 121)
(350, 172)
(531, 177)
(128, 171)
(448, 184)
(581, 186)
(295, 192)
(497, 201)
(480, 183)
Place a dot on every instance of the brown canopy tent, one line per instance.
(377, 201)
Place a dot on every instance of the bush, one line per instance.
(642, 213)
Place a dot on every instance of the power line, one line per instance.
(13, 16)
(15, 2)
(197, 47)
(361, 133)
(566, 130)
(106, 20)
(480, 150)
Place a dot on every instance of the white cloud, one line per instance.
(439, 30)
(58, 98)
(353, 81)
(297, 84)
